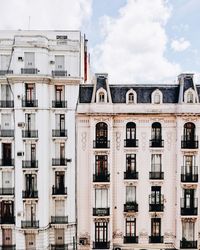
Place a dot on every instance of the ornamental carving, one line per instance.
(118, 140)
(84, 140)
(101, 219)
(190, 220)
(117, 234)
(143, 234)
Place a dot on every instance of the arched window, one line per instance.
(156, 135)
(189, 131)
(156, 97)
(190, 97)
(130, 140)
(131, 96)
(101, 97)
(101, 135)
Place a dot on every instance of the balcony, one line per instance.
(156, 143)
(130, 143)
(101, 211)
(59, 219)
(59, 190)
(101, 177)
(30, 164)
(30, 224)
(187, 143)
(7, 133)
(128, 239)
(186, 244)
(189, 176)
(29, 194)
(6, 104)
(101, 245)
(8, 247)
(59, 73)
(29, 103)
(7, 220)
(7, 191)
(30, 133)
(29, 71)
(189, 210)
(59, 104)
(59, 133)
(131, 207)
(101, 144)
(6, 162)
(156, 175)
(130, 175)
(6, 72)
(59, 247)
(156, 207)
(59, 162)
(155, 239)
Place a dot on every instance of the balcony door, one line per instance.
(29, 92)
(131, 162)
(101, 133)
(189, 198)
(101, 198)
(5, 92)
(156, 227)
(156, 131)
(30, 212)
(60, 122)
(7, 209)
(60, 180)
(130, 227)
(59, 236)
(6, 153)
(101, 163)
(59, 93)
(30, 122)
(7, 236)
(189, 163)
(130, 131)
(189, 131)
(130, 194)
(188, 231)
(156, 163)
(29, 60)
(155, 195)
(59, 208)
(30, 241)
(31, 183)
(59, 63)
(101, 232)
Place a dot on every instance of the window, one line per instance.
(101, 164)
(189, 163)
(156, 97)
(189, 131)
(29, 91)
(101, 231)
(30, 121)
(59, 93)
(190, 97)
(130, 194)
(101, 198)
(60, 122)
(29, 59)
(5, 92)
(156, 132)
(130, 226)
(31, 184)
(101, 131)
(60, 180)
(188, 230)
(4, 62)
(130, 162)
(155, 195)
(59, 63)
(189, 200)
(156, 165)
(155, 226)
(130, 131)
(131, 96)
(101, 97)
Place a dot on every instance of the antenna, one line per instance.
(29, 22)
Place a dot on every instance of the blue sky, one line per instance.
(141, 41)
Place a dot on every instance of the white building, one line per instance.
(40, 73)
(138, 165)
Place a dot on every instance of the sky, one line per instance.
(134, 41)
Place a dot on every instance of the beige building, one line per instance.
(138, 165)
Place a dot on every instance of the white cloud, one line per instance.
(44, 14)
(134, 44)
(180, 44)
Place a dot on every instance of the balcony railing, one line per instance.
(29, 71)
(8, 247)
(59, 132)
(130, 175)
(130, 143)
(156, 207)
(5, 72)
(130, 239)
(59, 73)
(189, 210)
(101, 245)
(7, 220)
(6, 162)
(59, 190)
(189, 143)
(188, 244)
(29, 103)
(30, 194)
(6, 104)
(101, 177)
(6, 133)
(59, 219)
(59, 162)
(7, 191)
(30, 164)
(101, 211)
(131, 207)
(59, 247)
(156, 143)
(156, 175)
(59, 104)
(30, 133)
(155, 239)
(189, 176)
(30, 224)
(101, 144)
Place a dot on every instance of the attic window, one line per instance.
(190, 97)
(157, 97)
(131, 98)
(101, 97)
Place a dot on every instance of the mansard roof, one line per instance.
(172, 93)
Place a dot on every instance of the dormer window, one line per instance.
(131, 96)
(189, 96)
(101, 97)
(156, 97)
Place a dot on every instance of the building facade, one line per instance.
(138, 165)
(40, 73)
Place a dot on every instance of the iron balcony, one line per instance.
(101, 211)
(7, 220)
(128, 239)
(59, 219)
(155, 206)
(29, 71)
(30, 133)
(29, 103)
(101, 144)
(8, 247)
(7, 162)
(189, 210)
(156, 175)
(189, 143)
(6, 133)
(130, 143)
(186, 244)
(191, 176)
(155, 239)
(156, 143)
(130, 175)
(131, 207)
(30, 224)
(6, 72)
(101, 177)
(7, 191)
(6, 104)
(59, 247)
(59, 190)
(30, 164)
(29, 194)
(59, 104)
(59, 133)
(59, 162)
(59, 73)
(101, 245)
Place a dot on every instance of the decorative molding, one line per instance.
(189, 219)
(144, 139)
(117, 234)
(84, 140)
(118, 140)
(101, 219)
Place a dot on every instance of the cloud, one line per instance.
(180, 44)
(134, 44)
(44, 14)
